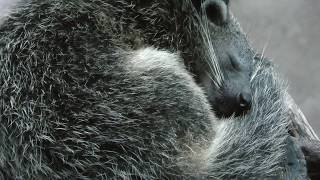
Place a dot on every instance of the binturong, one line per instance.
(104, 89)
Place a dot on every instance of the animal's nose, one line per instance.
(245, 101)
(237, 105)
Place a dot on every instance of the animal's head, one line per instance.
(224, 71)
(210, 41)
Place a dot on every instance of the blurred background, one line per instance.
(5, 6)
(289, 31)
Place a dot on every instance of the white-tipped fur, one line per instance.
(150, 59)
(71, 108)
(143, 62)
(146, 59)
(242, 147)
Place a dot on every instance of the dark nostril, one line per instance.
(245, 101)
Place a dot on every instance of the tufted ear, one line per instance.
(216, 10)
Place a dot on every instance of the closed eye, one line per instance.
(234, 62)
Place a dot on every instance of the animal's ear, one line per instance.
(217, 11)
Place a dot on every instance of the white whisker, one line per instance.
(210, 59)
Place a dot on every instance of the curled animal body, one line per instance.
(103, 89)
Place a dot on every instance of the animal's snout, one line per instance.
(235, 97)
(229, 104)
(244, 101)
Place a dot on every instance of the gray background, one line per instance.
(289, 31)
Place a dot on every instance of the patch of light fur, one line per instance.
(221, 129)
(149, 58)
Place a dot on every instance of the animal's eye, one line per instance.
(234, 62)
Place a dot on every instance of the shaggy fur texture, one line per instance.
(83, 96)
(257, 146)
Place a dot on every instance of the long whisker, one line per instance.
(266, 44)
(210, 59)
(213, 61)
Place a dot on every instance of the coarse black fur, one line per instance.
(97, 90)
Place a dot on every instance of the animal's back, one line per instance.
(77, 104)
